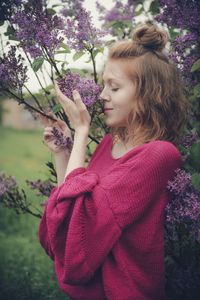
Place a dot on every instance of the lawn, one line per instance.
(26, 272)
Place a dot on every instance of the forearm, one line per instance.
(78, 153)
(61, 162)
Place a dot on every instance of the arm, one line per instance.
(61, 161)
(77, 157)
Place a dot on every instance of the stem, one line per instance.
(32, 213)
(46, 92)
(36, 100)
(93, 63)
(2, 44)
(52, 62)
(22, 101)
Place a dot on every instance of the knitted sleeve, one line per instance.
(85, 217)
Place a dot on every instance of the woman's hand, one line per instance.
(76, 111)
(53, 129)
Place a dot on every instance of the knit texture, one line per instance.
(104, 225)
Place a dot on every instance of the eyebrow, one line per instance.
(110, 80)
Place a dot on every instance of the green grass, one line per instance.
(26, 272)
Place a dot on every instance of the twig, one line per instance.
(94, 65)
(37, 102)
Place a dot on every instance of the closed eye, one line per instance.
(115, 90)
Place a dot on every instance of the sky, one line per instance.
(33, 84)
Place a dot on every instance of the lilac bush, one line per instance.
(184, 15)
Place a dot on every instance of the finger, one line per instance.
(64, 100)
(44, 120)
(78, 100)
(48, 129)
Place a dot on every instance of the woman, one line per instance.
(103, 226)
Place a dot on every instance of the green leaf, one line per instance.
(196, 180)
(56, 108)
(1, 22)
(65, 46)
(139, 9)
(194, 156)
(62, 51)
(10, 31)
(13, 38)
(36, 65)
(51, 11)
(196, 90)
(77, 55)
(196, 66)
(154, 7)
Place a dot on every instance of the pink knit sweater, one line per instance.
(104, 226)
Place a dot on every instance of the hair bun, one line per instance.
(150, 36)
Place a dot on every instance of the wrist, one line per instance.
(81, 133)
(63, 153)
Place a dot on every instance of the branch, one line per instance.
(94, 64)
(36, 100)
(46, 92)
(22, 101)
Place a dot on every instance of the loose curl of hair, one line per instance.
(160, 106)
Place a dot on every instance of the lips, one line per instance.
(107, 109)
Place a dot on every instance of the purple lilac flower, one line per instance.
(70, 7)
(62, 141)
(8, 8)
(180, 13)
(184, 205)
(37, 29)
(7, 183)
(180, 183)
(189, 139)
(87, 88)
(119, 13)
(12, 71)
(80, 31)
(184, 14)
(185, 54)
(44, 187)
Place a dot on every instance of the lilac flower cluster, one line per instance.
(189, 139)
(62, 141)
(37, 29)
(12, 71)
(80, 31)
(44, 187)
(87, 88)
(184, 58)
(184, 15)
(70, 7)
(8, 8)
(184, 205)
(119, 13)
(7, 183)
(181, 13)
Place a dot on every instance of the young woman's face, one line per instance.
(118, 94)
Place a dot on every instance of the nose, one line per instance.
(103, 96)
